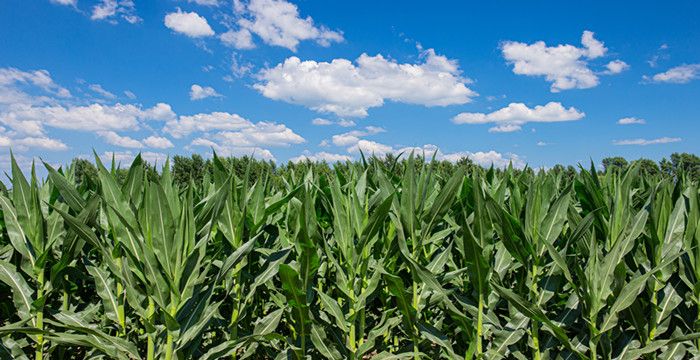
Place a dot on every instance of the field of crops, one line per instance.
(374, 259)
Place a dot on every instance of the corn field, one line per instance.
(370, 260)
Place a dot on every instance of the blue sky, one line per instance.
(540, 83)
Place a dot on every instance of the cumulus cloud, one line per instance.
(616, 67)
(158, 142)
(185, 125)
(115, 139)
(678, 75)
(109, 9)
(239, 39)
(198, 92)
(235, 135)
(644, 142)
(321, 156)
(631, 121)
(482, 158)
(277, 23)
(353, 137)
(515, 115)
(371, 148)
(350, 89)
(226, 149)
(95, 117)
(31, 142)
(190, 24)
(565, 66)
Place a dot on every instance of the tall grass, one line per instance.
(376, 259)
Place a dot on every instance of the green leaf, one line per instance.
(21, 292)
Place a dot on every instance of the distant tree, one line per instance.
(85, 172)
(687, 164)
(616, 163)
(188, 168)
(666, 167)
(647, 167)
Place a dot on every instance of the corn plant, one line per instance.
(398, 257)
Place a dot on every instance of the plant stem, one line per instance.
(592, 333)
(150, 347)
(535, 327)
(171, 337)
(40, 317)
(652, 317)
(66, 296)
(479, 325)
(353, 347)
(121, 296)
(235, 312)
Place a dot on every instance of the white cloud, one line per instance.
(113, 138)
(186, 125)
(369, 147)
(96, 117)
(190, 24)
(238, 67)
(30, 143)
(482, 158)
(321, 156)
(542, 143)
(105, 9)
(277, 23)
(10, 77)
(678, 75)
(353, 137)
(494, 158)
(347, 138)
(108, 9)
(321, 122)
(643, 142)
(262, 133)
(346, 123)
(565, 66)
(350, 89)
(161, 111)
(65, 2)
(158, 142)
(198, 92)
(236, 136)
(226, 149)
(660, 55)
(97, 88)
(515, 115)
(239, 39)
(326, 122)
(130, 94)
(616, 67)
(206, 2)
(630, 121)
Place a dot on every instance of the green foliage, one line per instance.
(616, 163)
(383, 258)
